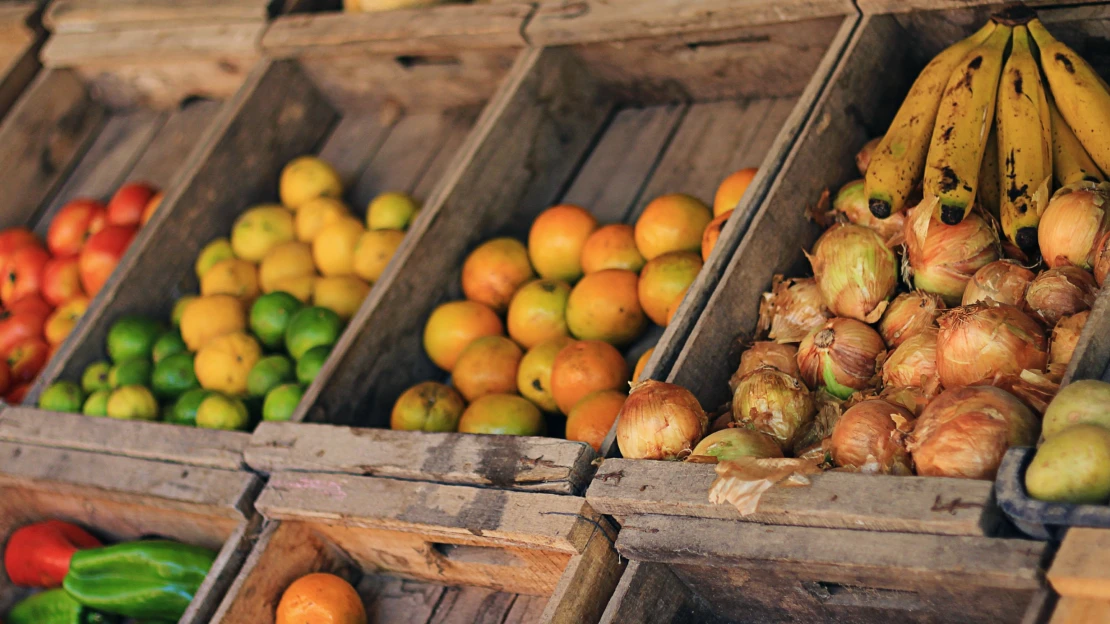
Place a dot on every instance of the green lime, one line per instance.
(269, 372)
(184, 410)
(62, 396)
(270, 315)
(218, 411)
(310, 364)
(168, 344)
(97, 403)
(179, 309)
(95, 376)
(130, 373)
(281, 402)
(132, 337)
(173, 376)
(312, 327)
(133, 403)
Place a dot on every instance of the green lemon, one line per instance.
(62, 396)
(130, 373)
(95, 377)
(179, 309)
(270, 316)
(281, 402)
(132, 337)
(219, 411)
(312, 327)
(168, 344)
(391, 211)
(310, 364)
(212, 253)
(133, 403)
(173, 376)
(268, 373)
(184, 410)
(97, 403)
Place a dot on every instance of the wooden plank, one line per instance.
(649, 593)
(391, 600)
(400, 161)
(1081, 611)
(157, 43)
(353, 142)
(906, 6)
(1079, 569)
(19, 60)
(224, 571)
(164, 84)
(587, 582)
(458, 129)
(85, 16)
(175, 140)
(472, 604)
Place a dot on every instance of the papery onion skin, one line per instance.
(1073, 221)
(792, 309)
(909, 314)
(913, 399)
(851, 201)
(863, 157)
(855, 270)
(1060, 292)
(841, 357)
(982, 340)
(870, 436)
(774, 403)
(965, 432)
(1100, 259)
(1004, 281)
(660, 421)
(945, 260)
(734, 442)
(914, 363)
(784, 357)
(1061, 346)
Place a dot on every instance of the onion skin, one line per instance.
(1004, 281)
(733, 443)
(949, 255)
(660, 421)
(852, 203)
(841, 356)
(912, 399)
(980, 341)
(965, 432)
(1073, 221)
(863, 158)
(855, 270)
(870, 436)
(792, 309)
(1061, 346)
(1061, 292)
(914, 363)
(772, 402)
(783, 357)
(909, 314)
(1100, 259)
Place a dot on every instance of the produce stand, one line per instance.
(21, 37)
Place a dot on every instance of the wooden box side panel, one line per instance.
(101, 16)
(649, 593)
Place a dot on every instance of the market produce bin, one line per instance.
(121, 499)
(21, 37)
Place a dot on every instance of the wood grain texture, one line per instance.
(162, 43)
(86, 16)
(183, 128)
(587, 582)
(1079, 568)
(164, 85)
(21, 38)
(649, 593)
(906, 6)
(1081, 611)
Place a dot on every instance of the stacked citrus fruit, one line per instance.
(274, 298)
(568, 300)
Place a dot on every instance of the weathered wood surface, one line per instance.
(1080, 611)
(85, 16)
(906, 6)
(145, 45)
(21, 37)
(649, 593)
(1079, 569)
(587, 582)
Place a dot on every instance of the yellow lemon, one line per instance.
(234, 277)
(224, 363)
(391, 211)
(374, 251)
(307, 178)
(317, 213)
(334, 247)
(260, 229)
(292, 259)
(342, 294)
(300, 287)
(213, 252)
(206, 318)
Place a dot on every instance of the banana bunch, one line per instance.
(992, 121)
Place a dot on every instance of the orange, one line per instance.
(373, 251)
(342, 294)
(671, 223)
(538, 312)
(306, 178)
(533, 376)
(333, 249)
(427, 406)
(673, 308)
(234, 277)
(493, 272)
(487, 366)
(300, 287)
(556, 240)
(320, 599)
(731, 190)
(284, 261)
(260, 229)
(640, 364)
(224, 363)
(591, 418)
(502, 414)
(712, 233)
(585, 367)
(663, 281)
(453, 326)
(612, 247)
(605, 306)
(205, 318)
(315, 214)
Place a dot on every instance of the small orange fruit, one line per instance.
(493, 272)
(533, 376)
(323, 598)
(284, 261)
(538, 312)
(453, 326)
(605, 306)
(427, 406)
(671, 223)
(373, 251)
(333, 249)
(731, 190)
(487, 366)
(502, 414)
(591, 418)
(712, 233)
(673, 308)
(586, 367)
(663, 281)
(640, 364)
(234, 277)
(612, 247)
(556, 240)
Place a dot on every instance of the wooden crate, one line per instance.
(423, 552)
(21, 37)
(1079, 575)
(118, 499)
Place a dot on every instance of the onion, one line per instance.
(871, 436)
(841, 356)
(1078, 403)
(734, 442)
(914, 362)
(1061, 292)
(979, 341)
(949, 255)
(909, 314)
(1004, 281)
(855, 271)
(852, 203)
(965, 431)
(1072, 222)
(863, 158)
(1065, 335)
(1100, 258)
(772, 402)
(792, 309)
(783, 357)
(914, 400)
(660, 421)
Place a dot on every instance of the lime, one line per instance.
(168, 344)
(310, 364)
(184, 410)
(268, 373)
(281, 402)
(132, 337)
(62, 396)
(312, 327)
(95, 376)
(173, 376)
(179, 309)
(391, 211)
(270, 315)
(219, 411)
(97, 403)
(130, 373)
(132, 403)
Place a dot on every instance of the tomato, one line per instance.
(22, 273)
(101, 255)
(61, 280)
(63, 320)
(128, 204)
(34, 304)
(13, 239)
(16, 394)
(27, 359)
(73, 225)
(17, 328)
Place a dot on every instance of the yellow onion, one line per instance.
(965, 431)
(1004, 281)
(734, 442)
(784, 357)
(1065, 335)
(949, 255)
(660, 421)
(863, 158)
(982, 340)
(772, 402)
(792, 309)
(914, 362)
(871, 436)
(1060, 292)
(855, 271)
(1100, 258)
(851, 202)
(1073, 221)
(841, 356)
(909, 314)
(913, 399)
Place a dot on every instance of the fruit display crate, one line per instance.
(21, 37)
(1079, 578)
(121, 499)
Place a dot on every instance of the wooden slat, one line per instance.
(649, 593)
(224, 571)
(1079, 569)
(148, 44)
(351, 145)
(400, 161)
(84, 16)
(906, 6)
(587, 583)
(176, 139)
(1081, 611)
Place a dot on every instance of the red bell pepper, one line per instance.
(37, 555)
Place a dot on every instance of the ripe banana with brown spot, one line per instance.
(1070, 162)
(963, 123)
(989, 180)
(899, 160)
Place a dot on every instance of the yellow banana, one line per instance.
(1024, 145)
(989, 182)
(898, 161)
(1070, 162)
(963, 122)
(1081, 94)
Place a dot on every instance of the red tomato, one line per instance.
(31, 303)
(22, 273)
(127, 205)
(61, 281)
(27, 358)
(5, 377)
(16, 395)
(13, 239)
(101, 255)
(73, 225)
(17, 328)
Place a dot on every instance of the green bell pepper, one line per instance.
(146, 580)
(55, 606)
